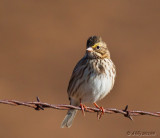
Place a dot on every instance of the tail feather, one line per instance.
(67, 122)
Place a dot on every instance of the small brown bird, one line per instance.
(92, 79)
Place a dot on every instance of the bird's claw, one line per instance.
(99, 115)
(83, 107)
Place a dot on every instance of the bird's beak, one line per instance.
(89, 49)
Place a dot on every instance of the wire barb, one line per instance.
(127, 113)
(40, 106)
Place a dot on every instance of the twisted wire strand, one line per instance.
(40, 106)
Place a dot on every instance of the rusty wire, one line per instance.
(40, 106)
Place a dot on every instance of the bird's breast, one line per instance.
(98, 80)
(97, 87)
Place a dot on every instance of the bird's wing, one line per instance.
(77, 74)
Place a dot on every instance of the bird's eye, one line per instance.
(98, 47)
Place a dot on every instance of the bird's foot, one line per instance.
(102, 111)
(83, 107)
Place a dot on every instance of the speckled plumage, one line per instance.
(92, 78)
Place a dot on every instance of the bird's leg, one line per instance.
(83, 107)
(101, 109)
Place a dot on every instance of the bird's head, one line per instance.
(96, 48)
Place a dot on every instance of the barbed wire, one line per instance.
(40, 106)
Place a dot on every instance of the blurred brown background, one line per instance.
(40, 43)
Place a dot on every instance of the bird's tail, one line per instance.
(67, 122)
